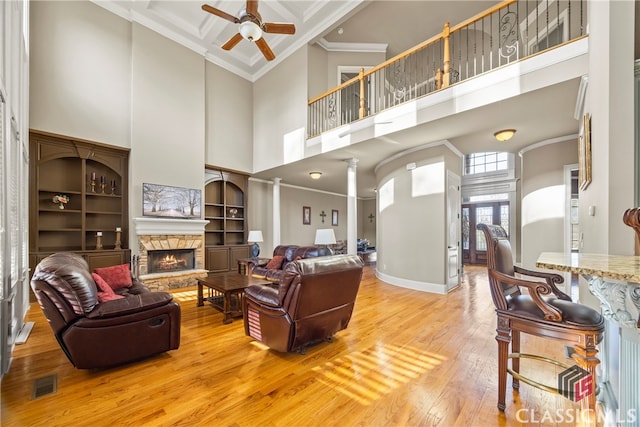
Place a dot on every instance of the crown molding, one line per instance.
(549, 141)
(352, 47)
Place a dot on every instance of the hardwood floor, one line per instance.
(407, 359)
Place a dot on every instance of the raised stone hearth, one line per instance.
(167, 234)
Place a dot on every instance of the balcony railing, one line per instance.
(507, 32)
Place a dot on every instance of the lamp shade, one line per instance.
(325, 236)
(255, 236)
(250, 31)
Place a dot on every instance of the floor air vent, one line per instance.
(45, 385)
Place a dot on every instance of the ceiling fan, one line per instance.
(251, 27)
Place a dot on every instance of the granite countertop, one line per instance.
(617, 267)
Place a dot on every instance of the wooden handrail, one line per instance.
(443, 36)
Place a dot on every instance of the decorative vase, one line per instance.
(61, 206)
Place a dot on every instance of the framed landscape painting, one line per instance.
(171, 202)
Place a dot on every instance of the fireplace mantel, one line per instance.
(160, 226)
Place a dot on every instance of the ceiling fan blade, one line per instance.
(278, 28)
(252, 7)
(265, 49)
(221, 14)
(230, 44)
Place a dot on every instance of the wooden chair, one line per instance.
(543, 311)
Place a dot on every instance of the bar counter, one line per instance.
(615, 281)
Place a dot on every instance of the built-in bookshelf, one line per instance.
(225, 208)
(78, 191)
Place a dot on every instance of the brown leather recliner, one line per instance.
(313, 301)
(287, 253)
(102, 334)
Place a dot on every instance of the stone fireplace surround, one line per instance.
(164, 234)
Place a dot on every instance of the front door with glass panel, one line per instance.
(474, 245)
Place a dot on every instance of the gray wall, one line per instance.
(80, 72)
(544, 203)
(229, 119)
(292, 200)
(167, 119)
(280, 113)
(411, 236)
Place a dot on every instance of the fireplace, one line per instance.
(171, 252)
(170, 260)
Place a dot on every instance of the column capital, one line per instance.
(277, 180)
(352, 162)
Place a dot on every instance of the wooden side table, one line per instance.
(243, 264)
(225, 292)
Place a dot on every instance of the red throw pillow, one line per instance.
(117, 276)
(105, 292)
(275, 263)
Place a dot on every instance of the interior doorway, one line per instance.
(474, 245)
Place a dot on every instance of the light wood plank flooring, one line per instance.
(407, 359)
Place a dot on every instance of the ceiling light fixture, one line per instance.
(504, 134)
(315, 175)
(250, 30)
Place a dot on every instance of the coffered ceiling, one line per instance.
(186, 23)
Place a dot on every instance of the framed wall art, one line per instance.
(306, 215)
(584, 153)
(171, 202)
(334, 217)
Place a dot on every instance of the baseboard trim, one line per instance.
(436, 288)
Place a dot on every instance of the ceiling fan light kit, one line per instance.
(250, 31)
(251, 27)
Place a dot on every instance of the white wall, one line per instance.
(229, 119)
(544, 203)
(167, 131)
(80, 72)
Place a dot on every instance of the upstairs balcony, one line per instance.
(506, 33)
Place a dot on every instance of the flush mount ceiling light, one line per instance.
(315, 175)
(504, 134)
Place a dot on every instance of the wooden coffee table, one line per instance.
(225, 292)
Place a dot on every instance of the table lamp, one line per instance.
(325, 236)
(255, 236)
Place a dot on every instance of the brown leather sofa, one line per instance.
(313, 301)
(288, 253)
(96, 334)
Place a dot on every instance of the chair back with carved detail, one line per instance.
(529, 301)
(500, 258)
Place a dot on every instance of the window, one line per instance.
(485, 162)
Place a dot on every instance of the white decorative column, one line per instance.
(276, 211)
(620, 360)
(352, 208)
